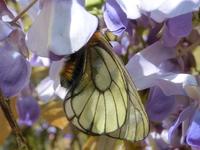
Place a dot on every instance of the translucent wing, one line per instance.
(104, 99)
(136, 126)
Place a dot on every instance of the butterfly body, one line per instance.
(102, 98)
(72, 70)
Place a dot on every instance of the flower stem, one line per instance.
(22, 144)
(24, 11)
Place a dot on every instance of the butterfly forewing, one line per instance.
(105, 101)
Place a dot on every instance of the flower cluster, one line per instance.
(157, 40)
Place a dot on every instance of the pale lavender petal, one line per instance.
(171, 8)
(148, 6)
(145, 72)
(159, 10)
(54, 72)
(5, 30)
(45, 89)
(28, 110)
(39, 61)
(130, 7)
(114, 17)
(146, 63)
(125, 41)
(52, 130)
(50, 86)
(173, 84)
(63, 19)
(193, 136)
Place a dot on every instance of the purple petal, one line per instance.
(114, 17)
(168, 39)
(170, 65)
(176, 28)
(186, 114)
(159, 105)
(180, 26)
(28, 110)
(17, 40)
(193, 136)
(15, 70)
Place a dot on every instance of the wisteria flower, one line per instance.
(115, 19)
(28, 110)
(13, 51)
(50, 86)
(159, 10)
(159, 69)
(149, 74)
(56, 33)
(57, 29)
(176, 28)
(189, 119)
(121, 47)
